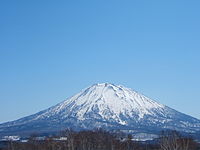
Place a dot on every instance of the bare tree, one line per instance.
(172, 140)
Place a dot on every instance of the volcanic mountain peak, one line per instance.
(109, 101)
(107, 106)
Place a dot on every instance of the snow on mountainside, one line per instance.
(108, 101)
(107, 106)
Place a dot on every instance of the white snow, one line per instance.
(109, 101)
(11, 138)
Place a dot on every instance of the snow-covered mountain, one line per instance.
(105, 106)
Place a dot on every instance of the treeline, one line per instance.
(102, 140)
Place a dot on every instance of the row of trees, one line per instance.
(102, 140)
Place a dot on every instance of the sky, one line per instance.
(50, 50)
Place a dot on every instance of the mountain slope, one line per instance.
(107, 106)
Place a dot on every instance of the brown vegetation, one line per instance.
(102, 140)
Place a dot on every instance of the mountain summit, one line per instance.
(106, 106)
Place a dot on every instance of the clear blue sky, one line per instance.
(50, 50)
